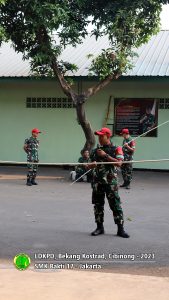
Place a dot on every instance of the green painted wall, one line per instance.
(64, 137)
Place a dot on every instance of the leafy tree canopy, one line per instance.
(33, 26)
(41, 29)
(2, 31)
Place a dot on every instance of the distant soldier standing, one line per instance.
(128, 150)
(104, 182)
(31, 146)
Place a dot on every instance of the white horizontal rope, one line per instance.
(140, 161)
(98, 163)
(81, 164)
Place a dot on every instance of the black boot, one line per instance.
(29, 183)
(128, 187)
(123, 185)
(98, 230)
(33, 182)
(121, 231)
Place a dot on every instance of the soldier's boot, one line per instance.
(128, 187)
(121, 232)
(33, 182)
(125, 183)
(29, 183)
(98, 230)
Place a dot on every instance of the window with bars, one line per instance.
(164, 103)
(49, 103)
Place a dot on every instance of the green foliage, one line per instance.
(70, 81)
(2, 2)
(2, 34)
(90, 56)
(128, 24)
(109, 63)
(42, 29)
(2, 30)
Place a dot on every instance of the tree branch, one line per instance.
(93, 90)
(64, 84)
(43, 38)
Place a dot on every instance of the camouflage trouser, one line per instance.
(32, 170)
(127, 170)
(81, 171)
(98, 196)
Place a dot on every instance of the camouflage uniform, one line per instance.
(104, 182)
(127, 169)
(80, 170)
(150, 120)
(32, 156)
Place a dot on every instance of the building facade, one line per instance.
(26, 102)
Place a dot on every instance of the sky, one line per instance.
(165, 17)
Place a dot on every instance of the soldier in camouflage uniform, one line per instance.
(80, 170)
(104, 182)
(128, 150)
(147, 122)
(31, 146)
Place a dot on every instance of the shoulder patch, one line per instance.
(119, 153)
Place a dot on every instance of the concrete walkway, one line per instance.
(39, 220)
(80, 285)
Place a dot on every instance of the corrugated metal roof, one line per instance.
(153, 59)
(11, 63)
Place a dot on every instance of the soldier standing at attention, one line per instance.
(104, 182)
(31, 148)
(128, 150)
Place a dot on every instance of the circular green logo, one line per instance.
(22, 261)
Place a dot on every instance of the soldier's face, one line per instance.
(86, 154)
(126, 135)
(104, 139)
(148, 111)
(34, 134)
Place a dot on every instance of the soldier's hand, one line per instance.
(119, 164)
(101, 153)
(145, 117)
(126, 145)
(92, 165)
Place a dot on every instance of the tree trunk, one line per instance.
(85, 124)
(79, 102)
